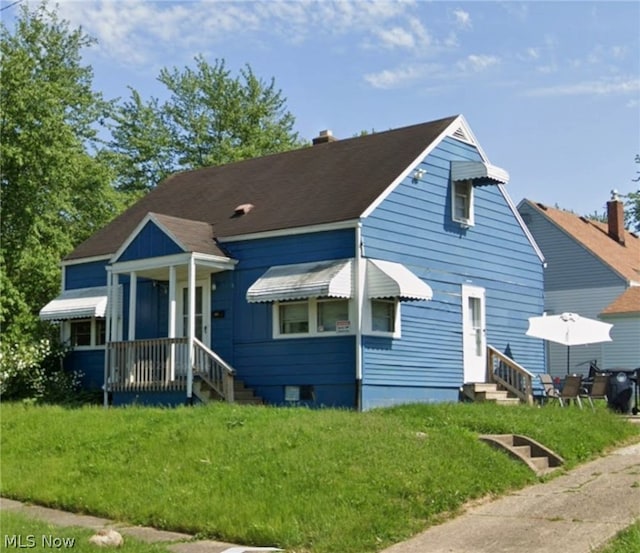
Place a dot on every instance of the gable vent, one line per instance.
(461, 134)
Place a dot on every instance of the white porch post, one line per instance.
(133, 292)
(191, 323)
(107, 338)
(172, 319)
(359, 278)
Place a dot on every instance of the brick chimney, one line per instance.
(615, 217)
(324, 137)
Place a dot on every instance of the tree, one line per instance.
(632, 204)
(209, 118)
(54, 192)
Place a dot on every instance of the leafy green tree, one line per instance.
(210, 118)
(54, 192)
(632, 204)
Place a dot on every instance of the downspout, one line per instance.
(191, 320)
(359, 284)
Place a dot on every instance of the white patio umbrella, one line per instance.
(569, 329)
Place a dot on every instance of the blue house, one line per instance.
(382, 269)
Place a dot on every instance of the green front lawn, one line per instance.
(304, 480)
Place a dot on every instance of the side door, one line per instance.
(474, 330)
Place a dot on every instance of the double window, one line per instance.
(86, 333)
(312, 317)
(316, 317)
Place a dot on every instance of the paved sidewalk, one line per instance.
(573, 513)
(174, 541)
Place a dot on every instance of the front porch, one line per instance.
(163, 365)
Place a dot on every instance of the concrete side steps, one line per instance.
(537, 457)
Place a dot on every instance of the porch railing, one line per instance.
(211, 368)
(510, 375)
(154, 365)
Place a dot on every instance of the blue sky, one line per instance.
(550, 89)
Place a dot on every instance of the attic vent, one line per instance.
(461, 134)
(242, 209)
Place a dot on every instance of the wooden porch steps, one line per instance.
(536, 456)
(241, 394)
(483, 391)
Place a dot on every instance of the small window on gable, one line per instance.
(383, 315)
(294, 318)
(462, 202)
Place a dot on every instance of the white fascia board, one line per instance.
(453, 126)
(214, 261)
(147, 263)
(148, 217)
(83, 260)
(323, 227)
(521, 222)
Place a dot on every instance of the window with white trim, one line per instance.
(462, 202)
(312, 317)
(293, 318)
(86, 333)
(383, 315)
(333, 315)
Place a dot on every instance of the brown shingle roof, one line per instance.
(194, 236)
(326, 183)
(627, 302)
(623, 259)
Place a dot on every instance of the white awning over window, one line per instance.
(478, 171)
(76, 304)
(319, 279)
(393, 280)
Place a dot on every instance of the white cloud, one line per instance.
(394, 78)
(477, 63)
(602, 87)
(396, 37)
(463, 18)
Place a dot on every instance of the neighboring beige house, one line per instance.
(593, 269)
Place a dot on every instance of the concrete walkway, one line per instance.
(573, 513)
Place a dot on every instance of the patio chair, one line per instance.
(570, 390)
(550, 390)
(598, 389)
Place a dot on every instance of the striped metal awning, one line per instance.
(386, 279)
(479, 172)
(76, 304)
(330, 279)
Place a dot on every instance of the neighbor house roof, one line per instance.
(626, 303)
(624, 259)
(326, 183)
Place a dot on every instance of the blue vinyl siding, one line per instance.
(90, 365)
(413, 226)
(150, 242)
(244, 335)
(85, 275)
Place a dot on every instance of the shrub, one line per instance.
(33, 372)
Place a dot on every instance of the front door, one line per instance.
(203, 303)
(474, 334)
